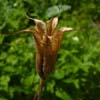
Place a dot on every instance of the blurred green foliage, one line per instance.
(77, 72)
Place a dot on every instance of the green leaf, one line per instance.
(59, 74)
(8, 69)
(2, 98)
(3, 56)
(4, 80)
(50, 86)
(28, 80)
(1, 38)
(63, 95)
(12, 59)
(56, 10)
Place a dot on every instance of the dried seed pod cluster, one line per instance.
(48, 39)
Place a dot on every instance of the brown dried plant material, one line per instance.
(48, 39)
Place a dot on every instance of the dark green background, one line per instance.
(77, 72)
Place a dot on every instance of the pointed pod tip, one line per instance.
(26, 30)
(28, 17)
(38, 21)
(65, 29)
(55, 19)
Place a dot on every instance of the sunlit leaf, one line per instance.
(63, 95)
(56, 10)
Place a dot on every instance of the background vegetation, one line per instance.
(77, 74)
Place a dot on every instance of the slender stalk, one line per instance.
(38, 95)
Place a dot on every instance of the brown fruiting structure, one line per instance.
(48, 39)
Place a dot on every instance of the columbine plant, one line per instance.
(48, 39)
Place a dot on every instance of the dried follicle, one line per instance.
(48, 39)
